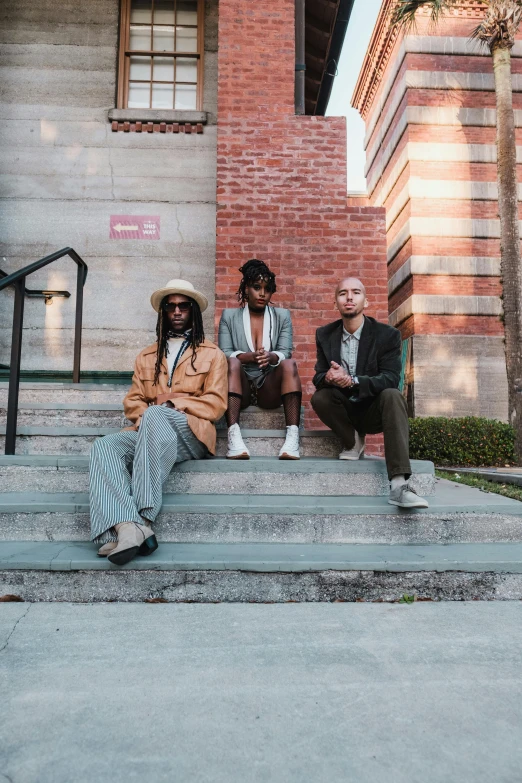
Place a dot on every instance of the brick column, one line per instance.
(281, 183)
(428, 101)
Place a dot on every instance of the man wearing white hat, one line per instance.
(179, 389)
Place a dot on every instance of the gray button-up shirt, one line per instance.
(350, 349)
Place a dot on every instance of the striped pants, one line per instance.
(128, 469)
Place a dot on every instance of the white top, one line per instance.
(174, 344)
(266, 334)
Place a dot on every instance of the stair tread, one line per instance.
(447, 500)
(89, 431)
(223, 465)
(108, 406)
(69, 385)
(80, 556)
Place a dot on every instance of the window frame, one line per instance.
(124, 54)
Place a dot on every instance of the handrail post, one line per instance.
(80, 280)
(14, 374)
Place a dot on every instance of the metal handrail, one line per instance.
(18, 280)
(47, 294)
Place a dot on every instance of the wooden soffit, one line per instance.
(322, 28)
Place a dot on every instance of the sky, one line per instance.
(360, 28)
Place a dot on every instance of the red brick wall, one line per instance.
(281, 183)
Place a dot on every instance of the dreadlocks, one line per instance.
(254, 271)
(163, 327)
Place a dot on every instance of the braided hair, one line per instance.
(254, 271)
(163, 327)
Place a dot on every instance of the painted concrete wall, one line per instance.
(63, 172)
(460, 375)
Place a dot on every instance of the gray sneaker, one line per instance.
(406, 497)
(357, 452)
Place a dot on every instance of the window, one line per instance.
(161, 48)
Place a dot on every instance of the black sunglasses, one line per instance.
(183, 307)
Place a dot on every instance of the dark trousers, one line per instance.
(387, 413)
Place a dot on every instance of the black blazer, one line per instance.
(378, 359)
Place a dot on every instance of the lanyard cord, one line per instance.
(184, 345)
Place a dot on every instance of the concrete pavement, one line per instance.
(425, 693)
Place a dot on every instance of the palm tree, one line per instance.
(497, 31)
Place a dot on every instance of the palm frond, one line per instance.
(500, 24)
(477, 35)
(404, 12)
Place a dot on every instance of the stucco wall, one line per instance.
(64, 172)
(460, 375)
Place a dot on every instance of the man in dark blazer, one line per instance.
(357, 377)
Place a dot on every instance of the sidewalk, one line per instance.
(498, 475)
(362, 693)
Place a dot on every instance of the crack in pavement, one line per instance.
(8, 640)
(6, 776)
(58, 554)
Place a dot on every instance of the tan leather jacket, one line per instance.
(200, 391)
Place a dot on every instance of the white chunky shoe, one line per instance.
(236, 446)
(290, 448)
(357, 452)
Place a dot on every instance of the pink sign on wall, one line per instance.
(134, 227)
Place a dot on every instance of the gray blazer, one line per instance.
(231, 336)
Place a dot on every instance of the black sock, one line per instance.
(292, 407)
(234, 408)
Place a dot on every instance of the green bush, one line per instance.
(466, 442)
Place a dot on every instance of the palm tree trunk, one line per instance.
(509, 237)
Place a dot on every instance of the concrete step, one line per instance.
(66, 392)
(78, 556)
(71, 571)
(103, 414)
(257, 476)
(78, 440)
(456, 514)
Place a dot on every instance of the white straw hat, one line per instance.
(178, 287)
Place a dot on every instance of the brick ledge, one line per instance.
(168, 116)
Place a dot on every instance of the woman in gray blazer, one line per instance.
(257, 341)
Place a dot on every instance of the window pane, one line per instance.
(187, 12)
(163, 39)
(140, 68)
(162, 96)
(163, 69)
(141, 11)
(139, 38)
(186, 39)
(186, 69)
(185, 96)
(139, 96)
(164, 12)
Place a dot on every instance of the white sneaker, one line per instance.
(358, 448)
(405, 496)
(290, 448)
(236, 446)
